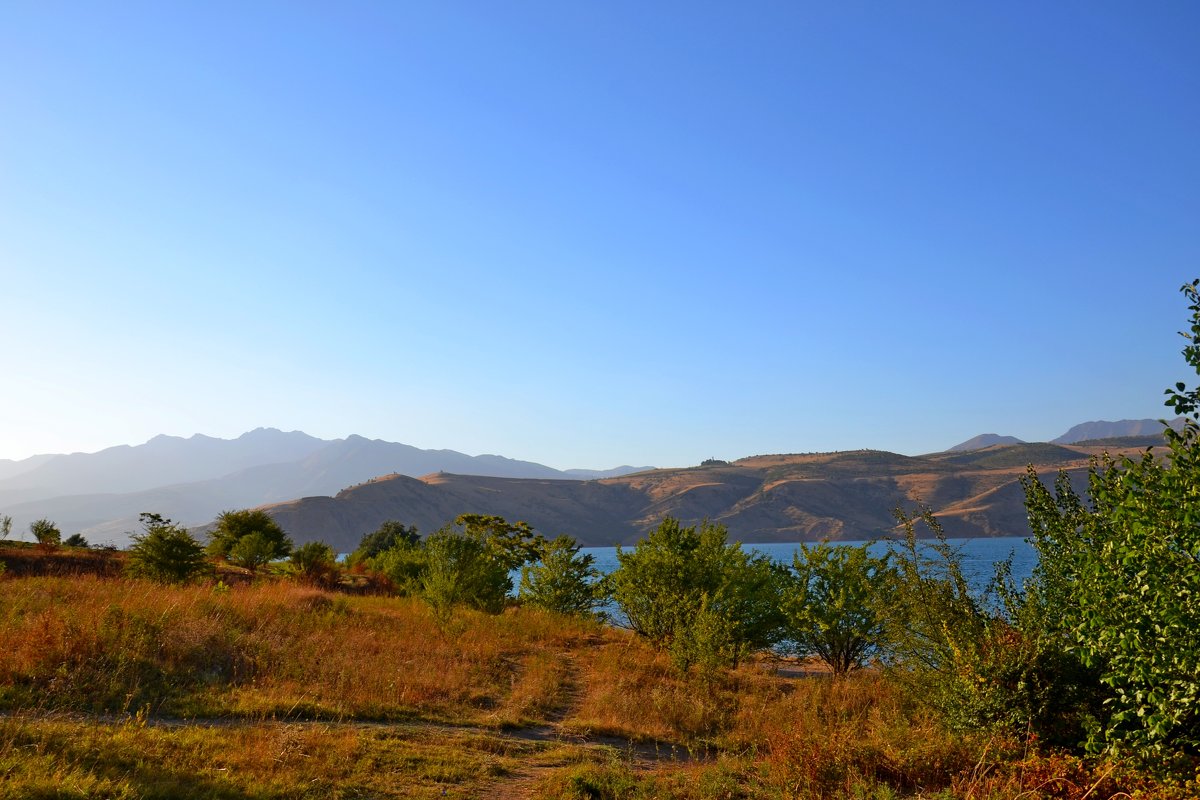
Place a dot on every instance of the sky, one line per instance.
(590, 234)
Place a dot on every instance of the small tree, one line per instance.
(462, 570)
(166, 552)
(403, 564)
(677, 572)
(563, 580)
(315, 562)
(267, 541)
(513, 543)
(1121, 574)
(76, 540)
(5, 526)
(388, 535)
(832, 604)
(45, 532)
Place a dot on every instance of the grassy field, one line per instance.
(120, 688)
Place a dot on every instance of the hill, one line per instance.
(845, 495)
(984, 440)
(191, 480)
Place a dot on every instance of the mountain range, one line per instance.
(780, 498)
(1100, 430)
(190, 480)
(339, 489)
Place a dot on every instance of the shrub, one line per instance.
(563, 580)
(166, 552)
(265, 540)
(832, 604)
(387, 536)
(45, 532)
(1121, 574)
(76, 540)
(315, 562)
(675, 573)
(462, 570)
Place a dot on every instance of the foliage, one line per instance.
(563, 580)
(832, 604)
(5, 526)
(76, 540)
(1122, 571)
(315, 562)
(462, 570)
(166, 552)
(403, 564)
(513, 543)
(387, 536)
(45, 532)
(687, 589)
(266, 540)
(968, 660)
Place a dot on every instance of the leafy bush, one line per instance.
(45, 532)
(832, 604)
(1121, 573)
(387, 536)
(165, 552)
(461, 569)
(76, 540)
(403, 565)
(248, 538)
(315, 562)
(563, 580)
(688, 590)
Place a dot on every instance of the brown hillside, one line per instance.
(848, 495)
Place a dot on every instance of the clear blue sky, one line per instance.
(593, 233)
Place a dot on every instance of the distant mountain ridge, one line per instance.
(984, 440)
(1083, 432)
(1103, 429)
(782, 498)
(192, 479)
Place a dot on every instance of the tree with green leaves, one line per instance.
(45, 532)
(76, 540)
(388, 535)
(462, 570)
(249, 538)
(315, 562)
(563, 580)
(166, 552)
(688, 590)
(832, 604)
(513, 543)
(1120, 572)
(5, 526)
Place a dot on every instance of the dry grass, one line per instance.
(272, 649)
(279, 651)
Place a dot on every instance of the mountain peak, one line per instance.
(984, 440)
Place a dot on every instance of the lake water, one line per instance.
(979, 556)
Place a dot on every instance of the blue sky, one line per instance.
(593, 233)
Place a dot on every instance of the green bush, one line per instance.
(315, 562)
(248, 538)
(45, 532)
(387, 536)
(562, 580)
(832, 606)
(462, 570)
(676, 573)
(166, 552)
(403, 564)
(1118, 582)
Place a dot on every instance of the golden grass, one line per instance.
(271, 653)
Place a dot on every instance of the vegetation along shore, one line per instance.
(247, 667)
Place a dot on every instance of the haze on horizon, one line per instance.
(587, 236)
